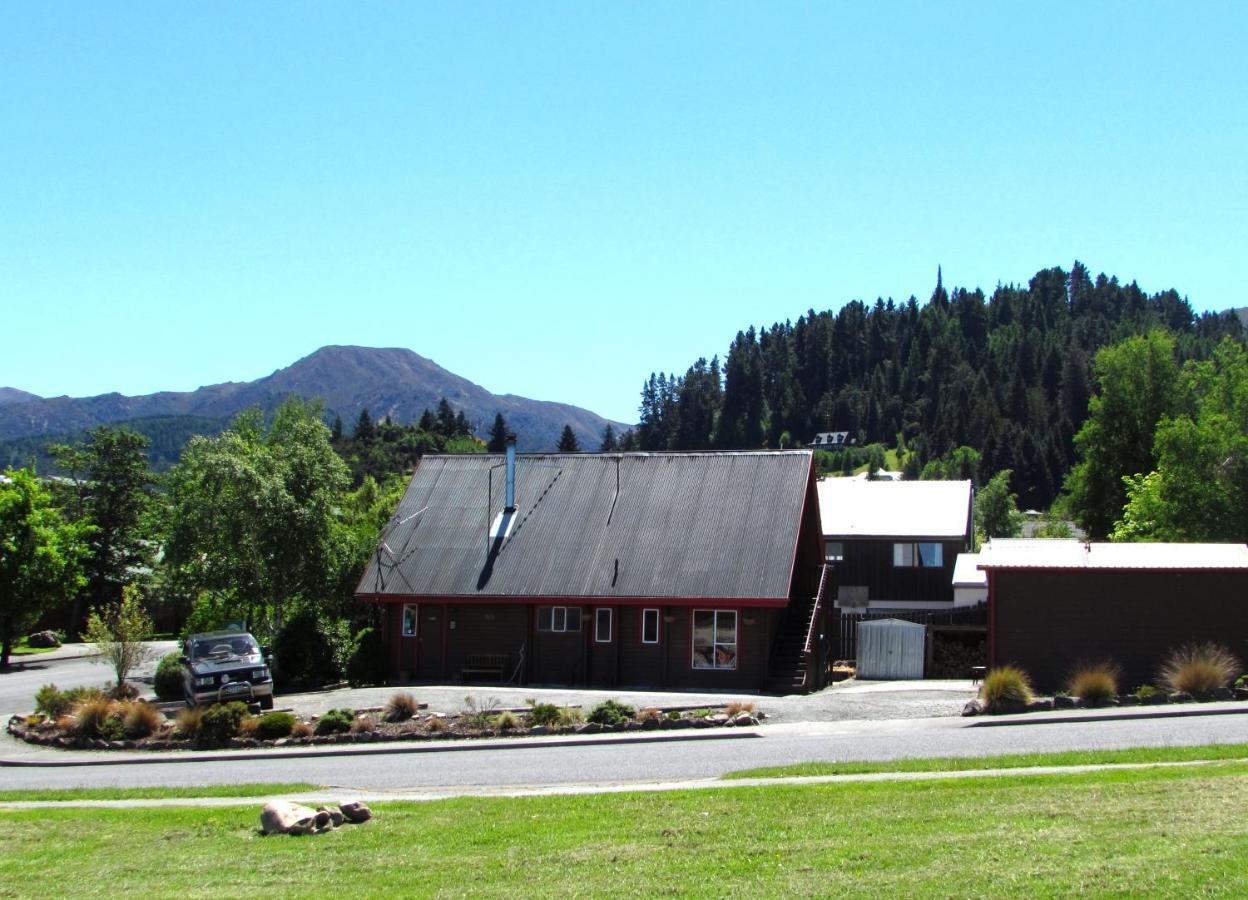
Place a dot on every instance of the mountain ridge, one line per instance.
(392, 382)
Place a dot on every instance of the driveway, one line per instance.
(70, 666)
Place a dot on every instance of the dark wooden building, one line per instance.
(675, 570)
(1053, 605)
(893, 544)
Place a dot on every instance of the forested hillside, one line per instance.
(1008, 374)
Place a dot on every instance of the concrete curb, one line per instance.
(1159, 712)
(190, 756)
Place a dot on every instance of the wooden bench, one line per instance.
(481, 665)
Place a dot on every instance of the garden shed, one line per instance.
(891, 648)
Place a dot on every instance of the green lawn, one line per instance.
(161, 793)
(21, 648)
(1177, 831)
(1008, 761)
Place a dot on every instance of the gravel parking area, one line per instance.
(849, 700)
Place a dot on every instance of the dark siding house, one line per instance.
(1053, 605)
(893, 544)
(682, 570)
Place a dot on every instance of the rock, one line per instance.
(1223, 694)
(744, 719)
(1005, 707)
(1181, 697)
(631, 726)
(1062, 701)
(719, 719)
(540, 729)
(355, 811)
(335, 815)
(43, 640)
(1128, 700)
(589, 728)
(701, 723)
(650, 725)
(1241, 693)
(284, 817)
(677, 724)
(972, 708)
(1040, 705)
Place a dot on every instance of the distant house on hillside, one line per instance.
(893, 544)
(1054, 604)
(831, 440)
(679, 570)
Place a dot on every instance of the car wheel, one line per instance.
(266, 702)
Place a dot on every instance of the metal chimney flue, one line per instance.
(510, 506)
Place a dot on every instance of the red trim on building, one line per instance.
(720, 602)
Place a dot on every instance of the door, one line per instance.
(429, 642)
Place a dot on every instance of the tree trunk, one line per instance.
(6, 644)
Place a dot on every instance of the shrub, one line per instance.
(546, 714)
(247, 727)
(1094, 683)
(140, 719)
(90, 716)
(188, 721)
(649, 714)
(436, 725)
(400, 707)
(1147, 691)
(113, 729)
(570, 716)
(221, 722)
(673, 714)
(51, 701)
(1199, 668)
(1005, 685)
(1241, 682)
(366, 662)
(274, 725)
(479, 714)
(301, 730)
(124, 691)
(307, 650)
(506, 721)
(168, 682)
(336, 721)
(736, 707)
(611, 712)
(363, 725)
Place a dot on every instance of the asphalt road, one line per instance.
(28, 673)
(482, 770)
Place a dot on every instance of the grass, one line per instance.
(1209, 752)
(21, 648)
(162, 793)
(1177, 832)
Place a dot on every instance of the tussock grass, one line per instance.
(1199, 668)
(1094, 682)
(400, 707)
(1005, 685)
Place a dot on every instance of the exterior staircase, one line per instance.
(790, 669)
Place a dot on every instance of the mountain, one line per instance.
(13, 395)
(390, 382)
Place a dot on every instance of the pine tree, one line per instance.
(446, 419)
(609, 444)
(498, 435)
(567, 441)
(335, 431)
(365, 430)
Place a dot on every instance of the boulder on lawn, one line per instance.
(972, 708)
(43, 640)
(356, 811)
(335, 816)
(284, 817)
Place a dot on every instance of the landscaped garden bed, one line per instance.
(90, 719)
(1191, 674)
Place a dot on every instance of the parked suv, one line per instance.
(220, 666)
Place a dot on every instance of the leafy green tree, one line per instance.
(996, 509)
(498, 435)
(1138, 381)
(609, 443)
(960, 464)
(117, 502)
(41, 556)
(568, 442)
(118, 632)
(251, 516)
(1199, 489)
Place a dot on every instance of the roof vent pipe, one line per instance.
(510, 506)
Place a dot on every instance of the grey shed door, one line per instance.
(891, 648)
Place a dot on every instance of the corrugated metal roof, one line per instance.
(681, 525)
(1067, 554)
(856, 507)
(966, 571)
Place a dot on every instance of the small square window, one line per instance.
(833, 551)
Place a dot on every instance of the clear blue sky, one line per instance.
(556, 199)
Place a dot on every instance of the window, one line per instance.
(602, 626)
(409, 620)
(925, 555)
(649, 626)
(714, 639)
(833, 551)
(558, 618)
